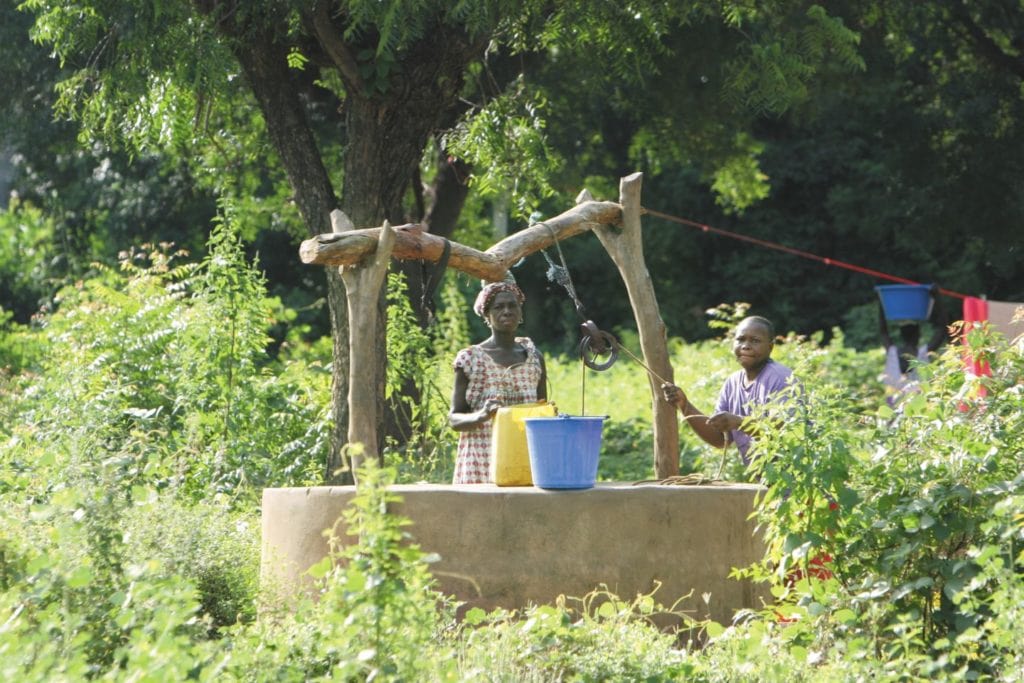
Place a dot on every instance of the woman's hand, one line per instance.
(488, 409)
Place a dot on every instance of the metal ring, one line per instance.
(605, 341)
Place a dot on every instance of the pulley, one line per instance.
(598, 349)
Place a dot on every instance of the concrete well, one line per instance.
(514, 546)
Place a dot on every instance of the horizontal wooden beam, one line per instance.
(413, 242)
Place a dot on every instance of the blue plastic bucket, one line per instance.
(564, 450)
(905, 302)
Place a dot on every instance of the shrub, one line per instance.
(74, 606)
(920, 533)
(163, 367)
(26, 260)
(376, 616)
(604, 638)
(214, 548)
(417, 393)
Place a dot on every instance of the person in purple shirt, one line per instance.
(757, 381)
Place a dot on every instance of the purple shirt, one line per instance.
(741, 400)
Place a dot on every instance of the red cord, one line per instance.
(795, 252)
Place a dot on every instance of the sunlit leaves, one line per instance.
(775, 68)
(933, 480)
(506, 144)
(739, 181)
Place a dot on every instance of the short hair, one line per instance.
(764, 322)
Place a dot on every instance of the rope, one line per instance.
(583, 386)
(434, 279)
(694, 478)
(560, 273)
(796, 252)
(650, 372)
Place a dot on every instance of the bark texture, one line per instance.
(413, 242)
(627, 251)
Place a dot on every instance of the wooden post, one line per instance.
(626, 249)
(363, 282)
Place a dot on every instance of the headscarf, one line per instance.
(487, 294)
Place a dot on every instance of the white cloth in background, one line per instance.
(893, 377)
(1008, 318)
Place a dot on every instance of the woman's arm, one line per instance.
(462, 417)
(883, 326)
(542, 384)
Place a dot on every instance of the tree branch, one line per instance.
(336, 48)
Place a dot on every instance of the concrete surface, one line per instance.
(513, 546)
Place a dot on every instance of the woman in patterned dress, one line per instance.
(502, 370)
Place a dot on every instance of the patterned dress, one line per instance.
(510, 385)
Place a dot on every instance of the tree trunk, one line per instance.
(265, 64)
(336, 471)
(386, 130)
(394, 128)
(378, 165)
(424, 277)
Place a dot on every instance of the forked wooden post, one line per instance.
(363, 283)
(626, 248)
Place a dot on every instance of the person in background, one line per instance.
(756, 383)
(902, 356)
(502, 370)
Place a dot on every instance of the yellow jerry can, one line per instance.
(510, 456)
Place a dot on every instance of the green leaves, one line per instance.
(160, 371)
(739, 181)
(774, 69)
(505, 142)
(914, 495)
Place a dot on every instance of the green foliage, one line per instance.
(923, 524)
(25, 254)
(626, 450)
(739, 181)
(162, 368)
(416, 377)
(75, 604)
(154, 377)
(603, 638)
(505, 142)
(107, 566)
(131, 89)
(25, 250)
(211, 546)
(452, 326)
(773, 73)
(384, 585)
(376, 615)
